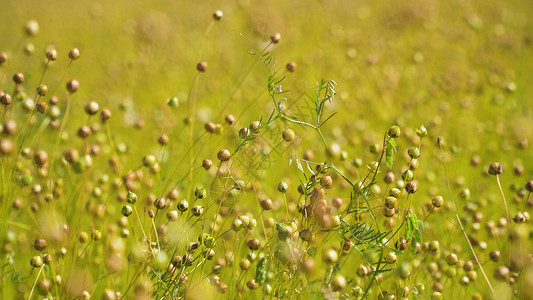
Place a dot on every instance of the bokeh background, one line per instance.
(461, 68)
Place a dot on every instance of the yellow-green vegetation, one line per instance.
(266, 149)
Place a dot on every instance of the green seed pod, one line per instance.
(200, 192)
(288, 135)
(414, 152)
(421, 131)
(284, 231)
(374, 148)
(390, 258)
(338, 283)
(357, 162)
(391, 202)
(126, 211)
(404, 270)
(394, 132)
(131, 197)
(283, 187)
(173, 102)
(261, 270)
(149, 161)
(183, 205)
(408, 175)
(437, 201)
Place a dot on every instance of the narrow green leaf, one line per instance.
(389, 152)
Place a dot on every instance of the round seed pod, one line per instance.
(5, 98)
(390, 258)
(160, 203)
(529, 186)
(40, 244)
(288, 135)
(40, 158)
(36, 261)
(9, 127)
(18, 78)
(92, 108)
(336, 202)
(326, 182)
(230, 119)
(414, 152)
(84, 132)
(389, 177)
(217, 15)
(266, 204)
(495, 255)
(41, 107)
(3, 57)
(83, 237)
(451, 259)
(183, 205)
(163, 140)
(42, 90)
(51, 54)
(105, 114)
(207, 164)
(74, 54)
(502, 273)
(291, 66)
(126, 211)
(495, 168)
(210, 127)
(73, 85)
(330, 256)
(395, 132)
(43, 286)
(201, 66)
(437, 201)
(251, 284)
(275, 38)
(338, 283)
(253, 244)
(224, 155)
(411, 187)
(31, 28)
(391, 202)
(197, 210)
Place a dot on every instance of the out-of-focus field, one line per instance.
(463, 69)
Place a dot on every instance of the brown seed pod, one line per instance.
(291, 66)
(73, 85)
(207, 164)
(51, 54)
(105, 115)
(495, 168)
(84, 132)
(275, 38)
(74, 54)
(253, 244)
(224, 155)
(40, 158)
(18, 78)
(163, 140)
(217, 15)
(5, 98)
(3, 57)
(201, 66)
(266, 204)
(92, 108)
(41, 107)
(210, 127)
(42, 90)
(230, 119)
(411, 187)
(40, 244)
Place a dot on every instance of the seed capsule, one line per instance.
(495, 168)
(224, 155)
(201, 66)
(275, 38)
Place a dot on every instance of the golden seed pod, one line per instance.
(201, 66)
(31, 28)
(74, 54)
